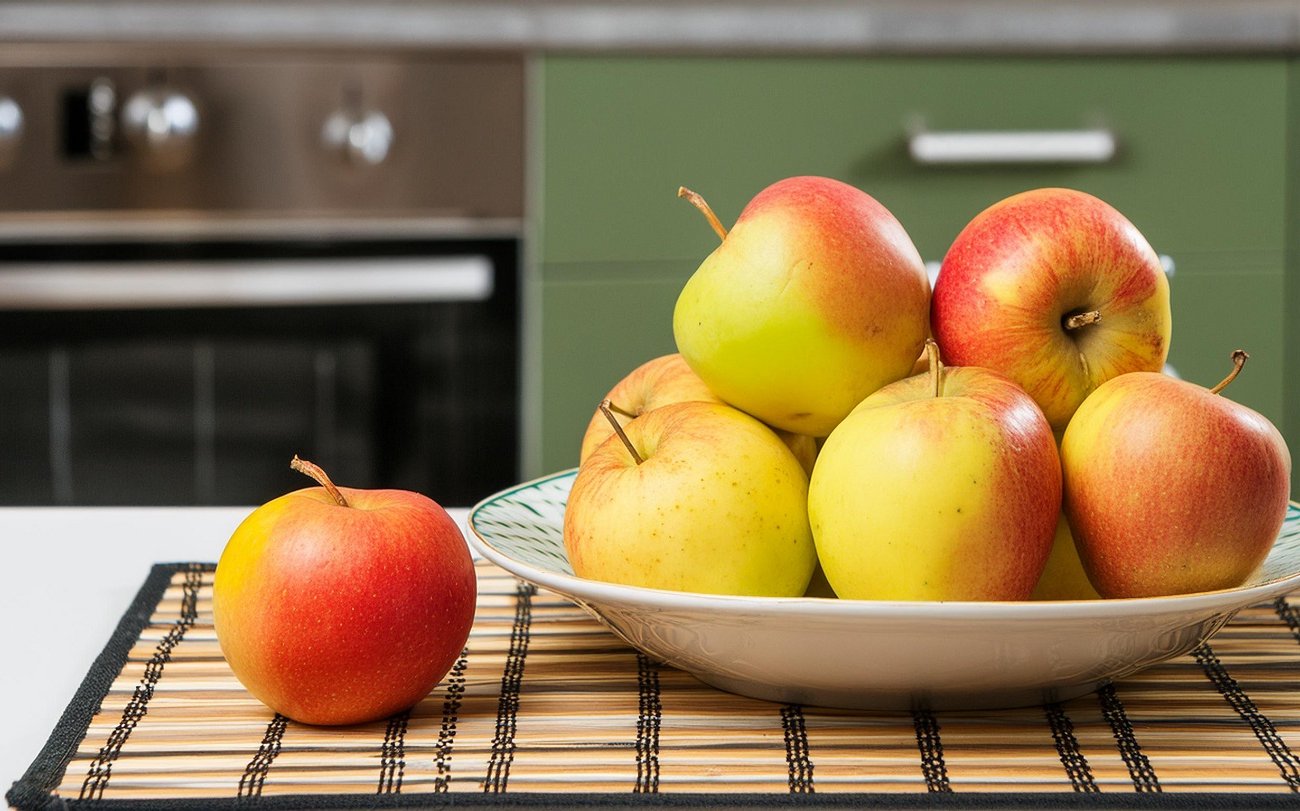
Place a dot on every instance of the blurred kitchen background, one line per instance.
(417, 241)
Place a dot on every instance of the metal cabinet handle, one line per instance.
(1011, 147)
(256, 283)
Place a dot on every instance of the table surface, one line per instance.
(104, 555)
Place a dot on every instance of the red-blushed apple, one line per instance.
(694, 496)
(662, 381)
(1172, 488)
(943, 486)
(1058, 291)
(336, 605)
(815, 298)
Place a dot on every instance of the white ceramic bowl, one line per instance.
(874, 654)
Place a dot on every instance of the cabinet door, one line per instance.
(1198, 168)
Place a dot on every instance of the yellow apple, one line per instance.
(943, 486)
(1064, 578)
(662, 381)
(815, 298)
(700, 497)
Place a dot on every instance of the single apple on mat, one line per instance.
(815, 298)
(662, 381)
(1172, 488)
(335, 605)
(696, 497)
(1058, 291)
(943, 486)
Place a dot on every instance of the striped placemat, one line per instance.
(547, 707)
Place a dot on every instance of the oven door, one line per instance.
(192, 373)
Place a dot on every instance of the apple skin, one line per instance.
(340, 615)
(662, 381)
(1064, 577)
(816, 298)
(917, 497)
(1024, 264)
(1170, 489)
(718, 506)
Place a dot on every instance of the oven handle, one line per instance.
(242, 283)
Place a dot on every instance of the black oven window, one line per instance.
(206, 405)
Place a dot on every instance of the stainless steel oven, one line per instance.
(212, 260)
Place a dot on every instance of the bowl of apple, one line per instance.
(873, 654)
(1008, 501)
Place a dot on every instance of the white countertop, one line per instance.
(54, 626)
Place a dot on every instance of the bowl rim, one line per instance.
(1028, 611)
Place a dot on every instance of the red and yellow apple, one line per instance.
(815, 298)
(943, 486)
(662, 381)
(340, 605)
(1170, 487)
(1058, 291)
(696, 497)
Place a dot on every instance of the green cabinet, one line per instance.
(1199, 168)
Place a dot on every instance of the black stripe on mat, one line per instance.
(254, 776)
(101, 768)
(1140, 770)
(392, 760)
(649, 717)
(1289, 614)
(503, 742)
(797, 758)
(1067, 749)
(1263, 728)
(450, 714)
(930, 747)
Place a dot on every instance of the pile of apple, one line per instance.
(829, 427)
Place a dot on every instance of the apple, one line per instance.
(1064, 577)
(814, 299)
(696, 497)
(336, 605)
(943, 486)
(1058, 291)
(1171, 488)
(659, 382)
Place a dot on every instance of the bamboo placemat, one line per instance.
(547, 707)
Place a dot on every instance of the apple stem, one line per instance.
(936, 366)
(1082, 319)
(617, 410)
(313, 470)
(618, 429)
(698, 201)
(1239, 358)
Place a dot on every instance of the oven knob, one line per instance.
(11, 129)
(162, 123)
(362, 138)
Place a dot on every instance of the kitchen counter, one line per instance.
(102, 557)
(830, 26)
